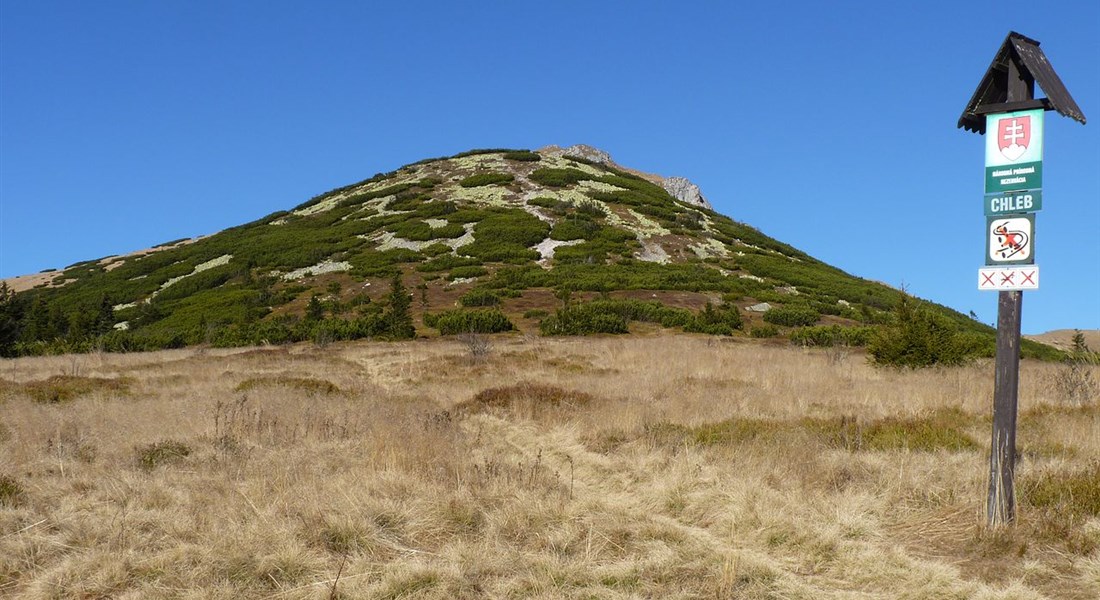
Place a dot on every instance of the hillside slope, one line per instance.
(511, 235)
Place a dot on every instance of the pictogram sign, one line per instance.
(1003, 279)
(1011, 240)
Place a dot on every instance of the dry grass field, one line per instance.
(667, 466)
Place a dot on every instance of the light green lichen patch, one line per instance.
(210, 264)
(710, 247)
(322, 206)
(325, 266)
(652, 252)
(598, 186)
(436, 223)
(490, 194)
(646, 226)
(480, 161)
(389, 241)
(558, 162)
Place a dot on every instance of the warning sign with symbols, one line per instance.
(1011, 240)
(1005, 279)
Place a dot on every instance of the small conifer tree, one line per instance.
(399, 322)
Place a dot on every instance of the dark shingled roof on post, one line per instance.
(1032, 65)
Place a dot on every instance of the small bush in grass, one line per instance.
(535, 313)
(479, 297)
(487, 178)
(455, 322)
(792, 316)
(162, 453)
(766, 330)
(716, 321)
(918, 337)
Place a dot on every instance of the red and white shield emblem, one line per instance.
(1013, 136)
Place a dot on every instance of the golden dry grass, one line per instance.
(654, 467)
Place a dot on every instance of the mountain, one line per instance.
(558, 240)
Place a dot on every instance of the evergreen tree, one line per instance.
(105, 316)
(11, 314)
(38, 322)
(314, 310)
(399, 322)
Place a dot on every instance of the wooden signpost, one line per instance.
(1004, 108)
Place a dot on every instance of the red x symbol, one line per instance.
(1007, 277)
(1027, 277)
(988, 277)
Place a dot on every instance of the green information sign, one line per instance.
(1007, 203)
(1014, 151)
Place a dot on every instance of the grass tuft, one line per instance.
(11, 491)
(309, 385)
(529, 395)
(162, 453)
(63, 388)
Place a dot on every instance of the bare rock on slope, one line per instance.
(680, 188)
(685, 191)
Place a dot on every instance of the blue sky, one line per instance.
(828, 125)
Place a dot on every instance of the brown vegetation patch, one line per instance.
(308, 385)
(162, 453)
(940, 430)
(528, 396)
(62, 388)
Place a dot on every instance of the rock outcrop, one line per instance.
(678, 187)
(685, 191)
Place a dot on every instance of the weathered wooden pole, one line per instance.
(1001, 502)
(1001, 507)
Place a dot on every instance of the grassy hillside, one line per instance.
(668, 466)
(527, 234)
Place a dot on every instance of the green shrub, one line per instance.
(522, 156)
(716, 321)
(917, 337)
(479, 297)
(535, 313)
(792, 316)
(506, 236)
(468, 272)
(612, 316)
(764, 331)
(568, 230)
(487, 178)
(460, 321)
(558, 177)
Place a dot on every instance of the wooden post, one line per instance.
(1001, 507)
(1001, 504)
